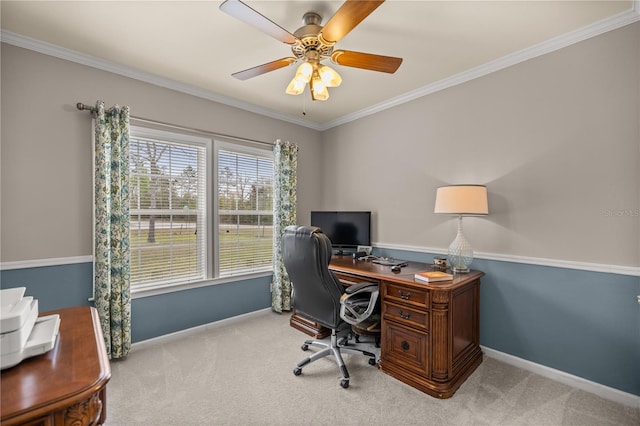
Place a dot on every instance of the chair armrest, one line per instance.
(357, 287)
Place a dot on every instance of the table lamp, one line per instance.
(461, 200)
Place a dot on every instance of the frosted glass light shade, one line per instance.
(300, 80)
(319, 78)
(329, 76)
(304, 72)
(296, 86)
(319, 91)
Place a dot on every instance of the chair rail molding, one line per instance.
(38, 263)
(540, 261)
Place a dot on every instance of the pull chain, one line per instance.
(304, 102)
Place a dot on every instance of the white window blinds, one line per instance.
(245, 211)
(168, 214)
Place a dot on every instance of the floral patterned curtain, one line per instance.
(284, 214)
(111, 235)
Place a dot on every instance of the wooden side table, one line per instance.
(64, 386)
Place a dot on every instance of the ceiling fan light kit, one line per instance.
(313, 43)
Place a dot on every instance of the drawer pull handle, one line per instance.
(404, 296)
(405, 316)
(405, 345)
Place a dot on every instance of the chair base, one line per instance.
(334, 348)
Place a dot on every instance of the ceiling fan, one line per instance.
(312, 43)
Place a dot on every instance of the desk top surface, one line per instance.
(349, 265)
(75, 367)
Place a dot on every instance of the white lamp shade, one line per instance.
(462, 200)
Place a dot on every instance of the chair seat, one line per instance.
(368, 327)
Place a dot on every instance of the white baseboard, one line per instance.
(198, 329)
(603, 391)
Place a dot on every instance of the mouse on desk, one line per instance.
(396, 268)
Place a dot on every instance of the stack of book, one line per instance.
(433, 276)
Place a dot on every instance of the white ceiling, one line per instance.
(193, 46)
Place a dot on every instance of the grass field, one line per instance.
(175, 253)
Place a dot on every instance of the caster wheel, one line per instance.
(297, 371)
(344, 383)
(372, 361)
(304, 347)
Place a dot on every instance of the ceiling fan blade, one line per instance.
(350, 14)
(367, 61)
(264, 68)
(241, 11)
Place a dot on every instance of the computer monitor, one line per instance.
(345, 229)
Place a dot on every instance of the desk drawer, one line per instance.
(405, 348)
(406, 315)
(406, 295)
(347, 279)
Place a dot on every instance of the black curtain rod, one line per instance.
(93, 110)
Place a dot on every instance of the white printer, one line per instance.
(22, 333)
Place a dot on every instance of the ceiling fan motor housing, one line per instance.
(309, 41)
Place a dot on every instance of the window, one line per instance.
(200, 209)
(245, 210)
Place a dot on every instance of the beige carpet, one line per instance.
(239, 372)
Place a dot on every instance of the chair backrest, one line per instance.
(306, 253)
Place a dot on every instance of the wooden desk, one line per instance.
(65, 386)
(430, 332)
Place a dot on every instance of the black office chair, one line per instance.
(319, 295)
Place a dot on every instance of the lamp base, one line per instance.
(460, 252)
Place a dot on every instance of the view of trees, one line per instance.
(240, 197)
(167, 213)
(164, 182)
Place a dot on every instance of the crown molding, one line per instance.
(556, 43)
(112, 67)
(597, 28)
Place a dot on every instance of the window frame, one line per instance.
(224, 145)
(213, 144)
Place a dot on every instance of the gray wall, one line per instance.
(556, 139)
(46, 147)
(46, 183)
